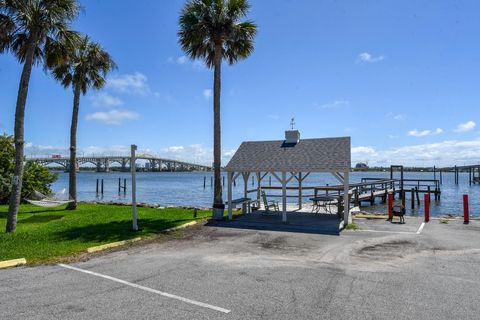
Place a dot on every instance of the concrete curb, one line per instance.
(372, 216)
(111, 245)
(12, 263)
(182, 226)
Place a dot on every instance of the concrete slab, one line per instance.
(301, 222)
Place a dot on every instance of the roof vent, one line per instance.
(292, 137)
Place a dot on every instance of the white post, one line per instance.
(259, 187)
(284, 196)
(133, 169)
(229, 183)
(346, 202)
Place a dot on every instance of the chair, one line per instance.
(269, 203)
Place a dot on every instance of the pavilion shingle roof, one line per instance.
(308, 155)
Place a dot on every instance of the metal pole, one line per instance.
(134, 187)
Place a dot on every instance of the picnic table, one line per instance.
(322, 202)
(245, 202)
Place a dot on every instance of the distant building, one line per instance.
(361, 166)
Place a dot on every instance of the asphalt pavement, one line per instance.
(382, 271)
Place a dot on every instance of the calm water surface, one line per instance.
(186, 188)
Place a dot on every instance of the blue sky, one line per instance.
(401, 78)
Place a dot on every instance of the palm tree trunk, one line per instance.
(218, 206)
(72, 182)
(19, 137)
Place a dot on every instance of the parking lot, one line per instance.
(381, 271)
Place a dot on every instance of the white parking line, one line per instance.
(421, 228)
(164, 294)
(384, 231)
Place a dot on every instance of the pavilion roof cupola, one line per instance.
(292, 137)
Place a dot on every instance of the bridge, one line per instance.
(104, 163)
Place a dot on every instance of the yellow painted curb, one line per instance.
(370, 216)
(111, 245)
(12, 263)
(182, 226)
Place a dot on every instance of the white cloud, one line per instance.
(424, 133)
(105, 100)
(182, 60)
(207, 93)
(363, 152)
(467, 126)
(335, 104)
(366, 57)
(129, 83)
(185, 61)
(115, 117)
(444, 153)
(394, 116)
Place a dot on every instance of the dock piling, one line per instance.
(390, 206)
(466, 213)
(427, 207)
(412, 200)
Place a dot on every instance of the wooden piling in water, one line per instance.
(97, 186)
(418, 196)
(204, 181)
(102, 186)
(412, 200)
(357, 201)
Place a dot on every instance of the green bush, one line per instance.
(35, 176)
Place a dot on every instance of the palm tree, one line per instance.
(87, 67)
(211, 30)
(35, 32)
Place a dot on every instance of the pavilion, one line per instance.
(288, 159)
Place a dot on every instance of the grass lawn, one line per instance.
(45, 234)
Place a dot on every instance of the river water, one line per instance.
(186, 189)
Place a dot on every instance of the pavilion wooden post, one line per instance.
(284, 196)
(259, 187)
(299, 191)
(245, 175)
(346, 202)
(229, 183)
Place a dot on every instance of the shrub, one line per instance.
(36, 177)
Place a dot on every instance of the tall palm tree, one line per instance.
(211, 30)
(35, 32)
(86, 68)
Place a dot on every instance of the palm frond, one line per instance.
(204, 24)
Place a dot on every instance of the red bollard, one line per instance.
(427, 207)
(390, 206)
(466, 212)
